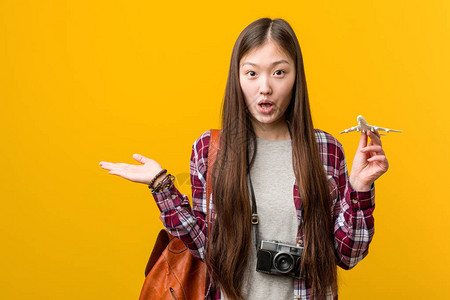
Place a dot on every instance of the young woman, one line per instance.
(270, 158)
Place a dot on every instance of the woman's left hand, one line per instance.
(369, 163)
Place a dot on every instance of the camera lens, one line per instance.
(283, 262)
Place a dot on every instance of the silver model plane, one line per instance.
(364, 127)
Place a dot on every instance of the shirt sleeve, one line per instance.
(179, 218)
(353, 218)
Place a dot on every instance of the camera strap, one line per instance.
(255, 218)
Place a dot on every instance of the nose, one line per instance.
(265, 87)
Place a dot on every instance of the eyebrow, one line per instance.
(273, 64)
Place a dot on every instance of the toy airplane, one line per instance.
(364, 127)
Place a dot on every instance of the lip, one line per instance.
(265, 101)
(266, 111)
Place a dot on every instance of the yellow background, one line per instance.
(86, 81)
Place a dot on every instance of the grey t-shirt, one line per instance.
(273, 182)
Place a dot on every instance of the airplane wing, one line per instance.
(355, 128)
(385, 129)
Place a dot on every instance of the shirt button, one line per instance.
(354, 201)
(173, 197)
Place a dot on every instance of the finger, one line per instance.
(105, 163)
(378, 158)
(140, 158)
(363, 140)
(125, 165)
(376, 133)
(117, 173)
(373, 148)
(374, 137)
(112, 167)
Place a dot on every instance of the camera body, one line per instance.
(278, 258)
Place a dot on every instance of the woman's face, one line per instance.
(267, 77)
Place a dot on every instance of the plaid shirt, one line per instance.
(352, 210)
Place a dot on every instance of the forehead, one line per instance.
(266, 53)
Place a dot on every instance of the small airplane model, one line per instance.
(364, 127)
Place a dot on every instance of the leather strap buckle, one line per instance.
(255, 219)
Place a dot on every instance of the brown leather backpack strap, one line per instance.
(214, 142)
(161, 243)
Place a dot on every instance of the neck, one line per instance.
(273, 132)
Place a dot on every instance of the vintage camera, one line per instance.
(277, 258)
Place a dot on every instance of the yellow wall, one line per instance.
(86, 81)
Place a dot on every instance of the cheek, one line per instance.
(286, 89)
(290, 84)
(248, 90)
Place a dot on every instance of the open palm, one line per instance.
(137, 173)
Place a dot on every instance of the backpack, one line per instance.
(172, 272)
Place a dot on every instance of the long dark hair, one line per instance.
(229, 242)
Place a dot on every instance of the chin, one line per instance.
(272, 120)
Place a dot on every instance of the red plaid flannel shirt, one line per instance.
(352, 210)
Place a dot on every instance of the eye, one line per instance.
(251, 73)
(280, 72)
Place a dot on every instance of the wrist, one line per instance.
(359, 186)
(165, 183)
(158, 180)
(158, 176)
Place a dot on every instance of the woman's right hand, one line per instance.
(136, 173)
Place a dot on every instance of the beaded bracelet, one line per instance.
(162, 183)
(168, 183)
(163, 171)
(165, 184)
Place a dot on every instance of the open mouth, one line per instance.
(266, 105)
